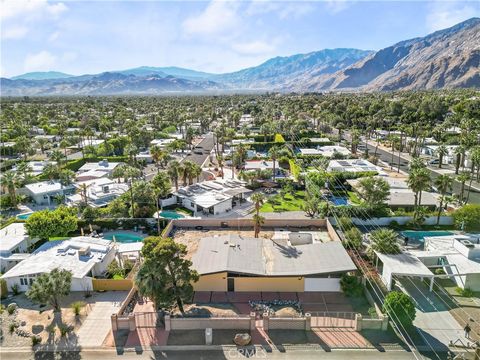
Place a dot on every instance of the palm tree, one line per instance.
(444, 184)
(129, 173)
(156, 153)
(10, 182)
(51, 171)
(258, 221)
(174, 171)
(459, 153)
(442, 151)
(274, 152)
(57, 156)
(161, 187)
(42, 142)
(463, 178)
(25, 169)
(419, 181)
(258, 199)
(220, 163)
(383, 241)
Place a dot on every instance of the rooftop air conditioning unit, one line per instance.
(467, 243)
(84, 251)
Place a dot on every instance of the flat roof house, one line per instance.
(213, 197)
(100, 192)
(254, 165)
(37, 167)
(401, 196)
(91, 171)
(236, 263)
(84, 256)
(14, 244)
(44, 192)
(457, 255)
(351, 165)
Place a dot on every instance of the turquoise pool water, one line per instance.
(420, 235)
(124, 237)
(171, 215)
(24, 216)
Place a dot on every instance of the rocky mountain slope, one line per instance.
(445, 59)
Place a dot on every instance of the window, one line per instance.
(31, 280)
(23, 281)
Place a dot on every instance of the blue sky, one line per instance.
(79, 37)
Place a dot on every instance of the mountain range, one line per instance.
(448, 58)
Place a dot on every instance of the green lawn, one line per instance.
(59, 238)
(353, 198)
(291, 202)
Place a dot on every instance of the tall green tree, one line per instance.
(10, 182)
(383, 241)
(45, 224)
(374, 191)
(399, 305)
(165, 276)
(444, 184)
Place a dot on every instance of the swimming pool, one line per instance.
(420, 235)
(338, 200)
(24, 216)
(124, 237)
(171, 215)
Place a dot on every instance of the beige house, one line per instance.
(236, 263)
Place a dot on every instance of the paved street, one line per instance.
(231, 353)
(386, 157)
(433, 319)
(97, 324)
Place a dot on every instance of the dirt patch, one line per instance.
(208, 310)
(191, 238)
(286, 311)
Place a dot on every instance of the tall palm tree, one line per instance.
(463, 178)
(220, 163)
(57, 156)
(274, 152)
(258, 221)
(129, 173)
(419, 181)
(10, 182)
(161, 187)
(459, 153)
(444, 184)
(174, 171)
(442, 151)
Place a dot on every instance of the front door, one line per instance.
(230, 284)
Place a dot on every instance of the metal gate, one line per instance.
(333, 319)
(149, 320)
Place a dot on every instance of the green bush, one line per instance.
(345, 223)
(439, 271)
(64, 329)
(11, 308)
(353, 238)
(351, 286)
(399, 307)
(467, 292)
(77, 307)
(12, 326)
(372, 312)
(36, 340)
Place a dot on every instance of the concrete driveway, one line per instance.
(97, 324)
(433, 319)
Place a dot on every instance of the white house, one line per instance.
(457, 255)
(326, 151)
(36, 167)
(44, 192)
(254, 165)
(351, 165)
(449, 158)
(14, 244)
(161, 142)
(213, 197)
(91, 171)
(99, 192)
(86, 257)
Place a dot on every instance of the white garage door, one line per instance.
(322, 284)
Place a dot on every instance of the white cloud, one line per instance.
(54, 36)
(256, 47)
(21, 8)
(444, 14)
(217, 18)
(43, 60)
(336, 6)
(14, 32)
(284, 10)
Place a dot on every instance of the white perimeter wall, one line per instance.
(322, 284)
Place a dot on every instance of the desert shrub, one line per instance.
(15, 289)
(351, 286)
(12, 326)
(36, 340)
(11, 308)
(64, 329)
(77, 306)
(50, 328)
(345, 223)
(467, 292)
(353, 238)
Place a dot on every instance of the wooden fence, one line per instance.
(110, 284)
